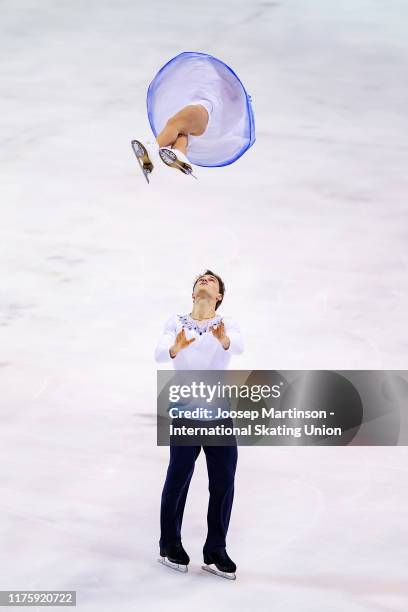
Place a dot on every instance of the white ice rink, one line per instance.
(309, 231)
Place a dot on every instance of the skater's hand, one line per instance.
(180, 343)
(219, 333)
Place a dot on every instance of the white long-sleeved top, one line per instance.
(206, 352)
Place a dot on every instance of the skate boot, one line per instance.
(147, 155)
(219, 563)
(174, 556)
(176, 159)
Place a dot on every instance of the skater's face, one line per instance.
(207, 286)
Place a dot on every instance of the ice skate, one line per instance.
(176, 159)
(147, 154)
(219, 564)
(175, 557)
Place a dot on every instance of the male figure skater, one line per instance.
(211, 341)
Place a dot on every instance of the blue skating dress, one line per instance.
(199, 78)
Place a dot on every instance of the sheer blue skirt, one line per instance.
(199, 78)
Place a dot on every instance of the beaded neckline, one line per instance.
(189, 323)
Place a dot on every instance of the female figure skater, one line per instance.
(199, 113)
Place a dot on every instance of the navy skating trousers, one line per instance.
(221, 465)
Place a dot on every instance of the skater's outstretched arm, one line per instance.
(221, 335)
(171, 343)
(162, 352)
(230, 336)
(180, 343)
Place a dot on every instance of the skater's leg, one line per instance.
(221, 466)
(191, 119)
(179, 473)
(181, 143)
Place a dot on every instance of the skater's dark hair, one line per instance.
(220, 284)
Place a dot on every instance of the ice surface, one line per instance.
(309, 230)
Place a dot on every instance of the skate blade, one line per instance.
(143, 158)
(175, 566)
(171, 160)
(213, 570)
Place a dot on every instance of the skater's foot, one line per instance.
(147, 155)
(219, 563)
(174, 556)
(176, 159)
